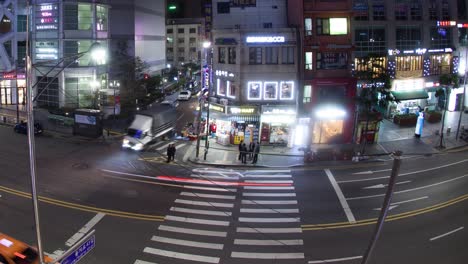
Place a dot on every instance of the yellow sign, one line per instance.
(217, 108)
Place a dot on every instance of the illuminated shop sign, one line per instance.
(242, 110)
(462, 25)
(446, 23)
(206, 77)
(265, 39)
(217, 107)
(47, 17)
(440, 50)
(278, 110)
(408, 85)
(393, 52)
(46, 50)
(224, 73)
(257, 90)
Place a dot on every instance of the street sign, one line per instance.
(80, 251)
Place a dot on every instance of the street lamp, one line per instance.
(205, 83)
(98, 54)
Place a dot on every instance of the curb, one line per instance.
(312, 165)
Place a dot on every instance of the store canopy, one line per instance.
(410, 95)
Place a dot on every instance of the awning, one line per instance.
(410, 95)
(245, 118)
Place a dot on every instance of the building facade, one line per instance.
(183, 40)
(327, 88)
(254, 72)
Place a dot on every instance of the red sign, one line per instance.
(463, 25)
(446, 23)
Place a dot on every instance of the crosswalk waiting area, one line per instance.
(256, 220)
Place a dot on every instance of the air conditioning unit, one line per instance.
(223, 101)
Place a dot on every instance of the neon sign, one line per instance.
(47, 17)
(265, 39)
(446, 23)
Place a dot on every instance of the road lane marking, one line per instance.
(380, 186)
(341, 197)
(208, 188)
(267, 176)
(269, 220)
(196, 220)
(192, 231)
(268, 230)
(446, 234)
(143, 262)
(266, 242)
(177, 255)
(409, 190)
(225, 205)
(270, 181)
(203, 212)
(86, 228)
(268, 188)
(204, 176)
(407, 173)
(268, 211)
(260, 171)
(204, 195)
(411, 200)
(187, 243)
(164, 146)
(249, 255)
(270, 194)
(333, 260)
(370, 172)
(268, 202)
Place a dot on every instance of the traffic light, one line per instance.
(172, 7)
(146, 76)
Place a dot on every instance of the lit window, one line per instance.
(287, 90)
(270, 90)
(308, 60)
(254, 90)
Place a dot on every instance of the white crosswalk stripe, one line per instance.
(197, 228)
(143, 262)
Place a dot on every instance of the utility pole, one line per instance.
(209, 64)
(447, 94)
(464, 94)
(31, 143)
(386, 204)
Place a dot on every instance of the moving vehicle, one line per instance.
(13, 251)
(23, 128)
(171, 100)
(184, 95)
(149, 125)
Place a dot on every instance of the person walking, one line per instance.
(244, 153)
(255, 153)
(240, 149)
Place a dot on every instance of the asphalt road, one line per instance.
(145, 210)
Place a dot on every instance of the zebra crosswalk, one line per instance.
(231, 225)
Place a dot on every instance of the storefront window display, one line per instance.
(271, 90)
(254, 90)
(287, 91)
(328, 131)
(242, 130)
(5, 92)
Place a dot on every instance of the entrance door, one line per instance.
(328, 132)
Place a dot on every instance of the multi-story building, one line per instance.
(327, 88)
(183, 40)
(254, 74)
(417, 41)
(62, 32)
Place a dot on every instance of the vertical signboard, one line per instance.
(47, 17)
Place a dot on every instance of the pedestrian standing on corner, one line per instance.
(169, 153)
(256, 151)
(251, 149)
(173, 151)
(244, 153)
(240, 149)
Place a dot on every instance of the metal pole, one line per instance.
(447, 94)
(463, 97)
(17, 94)
(207, 144)
(201, 104)
(386, 204)
(32, 150)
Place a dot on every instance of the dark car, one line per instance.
(23, 128)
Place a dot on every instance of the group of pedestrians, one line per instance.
(251, 152)
(171, 150)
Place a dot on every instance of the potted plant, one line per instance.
(405, 119)
(433, 116)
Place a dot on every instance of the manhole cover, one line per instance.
(80, 166)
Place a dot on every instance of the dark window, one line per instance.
(223, 8)
(180, 40)
(255, 55)
(323, 26)
(408, 38)
(416, 10)
(271, 55)
(432, 9)
(287, 55)
(170, 50)
(369, 40)
(192, 40)
(222, 55)
(48, 96)
(440, 37)
(180, 30)
(378, 11)
(445, 10)
(192, 30)
(463, 36)
(232, 55)
(193, 49)
(267, 25)
(332, 60)
(22, 23)
(242, 3)
(181, 50)
(169, 31)
(461, 9)
(401, 10)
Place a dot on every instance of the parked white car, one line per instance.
(184, 95)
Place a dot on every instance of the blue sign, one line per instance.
(80, 251)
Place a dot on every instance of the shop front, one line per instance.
(410, 96)
(329, 125)
(12, 89)
(277, 124)
(245, 123)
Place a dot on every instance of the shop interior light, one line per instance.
(330, 113)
